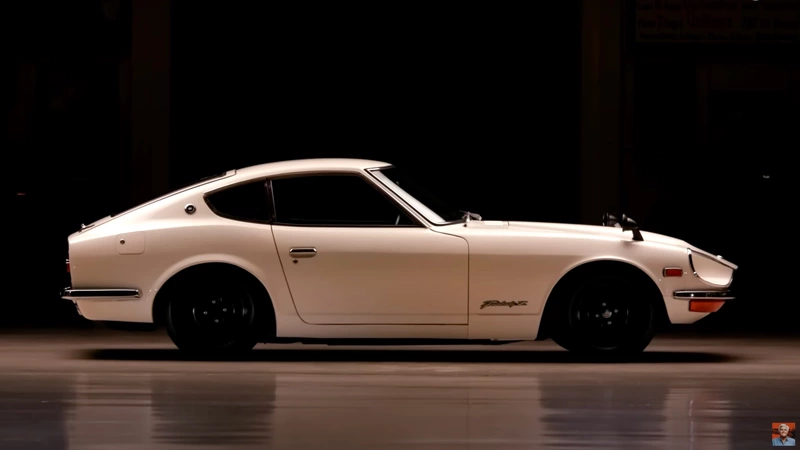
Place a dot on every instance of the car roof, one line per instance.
(267, 169)
(308, 165)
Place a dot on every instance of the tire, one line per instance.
(213, 315)
(605, 314)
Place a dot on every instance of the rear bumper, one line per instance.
(111, 304)
(100, 294)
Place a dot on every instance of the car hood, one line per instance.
(583, 230)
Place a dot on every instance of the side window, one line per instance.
(343, 200)
(245, 202)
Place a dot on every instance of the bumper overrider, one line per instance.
(713, 271)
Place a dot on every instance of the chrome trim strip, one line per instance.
(703, 295)
(82, 294)
(717, 258)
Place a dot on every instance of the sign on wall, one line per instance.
(717, 20)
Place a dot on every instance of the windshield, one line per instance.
(419, 198)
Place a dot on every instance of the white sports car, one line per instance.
(344, 250)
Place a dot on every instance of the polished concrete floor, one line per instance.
(117, 390)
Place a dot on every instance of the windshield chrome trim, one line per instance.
(427, 221)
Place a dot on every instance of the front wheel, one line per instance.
(605, 314)
(212, 316)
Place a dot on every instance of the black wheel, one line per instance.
(605, 314)
(213, 315)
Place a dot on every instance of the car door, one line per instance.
(351, 255)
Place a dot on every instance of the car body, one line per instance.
(323, 250)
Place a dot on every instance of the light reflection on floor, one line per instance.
(683, 394)
(85, 411)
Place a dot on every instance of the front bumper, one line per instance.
(704, 300)
(704, 295)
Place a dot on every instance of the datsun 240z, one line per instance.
(343, 250)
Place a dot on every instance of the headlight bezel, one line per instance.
(694, 253)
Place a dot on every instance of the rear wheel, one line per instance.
(605, 314)
(213, 315)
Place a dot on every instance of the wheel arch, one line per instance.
(588, 268)
(211, 268)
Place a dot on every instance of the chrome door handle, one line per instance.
(303, 252)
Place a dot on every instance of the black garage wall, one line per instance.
(482, 101)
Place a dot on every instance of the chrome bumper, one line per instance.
(89, 294)
(703, 295)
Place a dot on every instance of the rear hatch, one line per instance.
(202, 181)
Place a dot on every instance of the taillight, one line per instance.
(68, 276)
(673, 272)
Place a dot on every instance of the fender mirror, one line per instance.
(627, 224)
(610, 220)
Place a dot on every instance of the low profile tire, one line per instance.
(605, 314)
(213, 315)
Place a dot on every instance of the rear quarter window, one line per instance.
(246, 202)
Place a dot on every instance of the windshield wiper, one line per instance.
(470, 216)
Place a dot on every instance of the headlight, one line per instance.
(712, 269)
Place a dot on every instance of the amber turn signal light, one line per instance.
(707, 306)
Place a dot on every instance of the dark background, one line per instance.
(555, 112)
